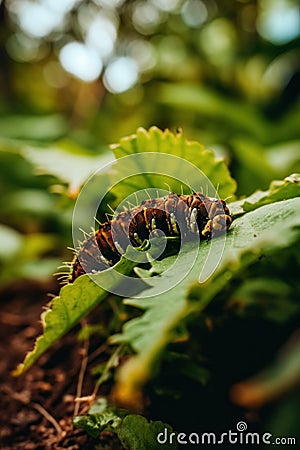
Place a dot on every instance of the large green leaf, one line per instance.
(262, 231)
(164, 142)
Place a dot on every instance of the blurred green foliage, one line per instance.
(226, 72)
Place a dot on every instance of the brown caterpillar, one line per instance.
(173, 214)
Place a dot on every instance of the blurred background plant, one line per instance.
(77, 75)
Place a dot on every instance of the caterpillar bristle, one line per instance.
(66, 265)
(169, 187)
(130, 204)
(85, 233)
(147, 193)
(136, 198)
(112, 210)
(56, 274)
(64, 280)
(108, 217)
(97, 221)
(62, 274)
(72, 249)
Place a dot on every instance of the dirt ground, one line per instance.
(37, 408)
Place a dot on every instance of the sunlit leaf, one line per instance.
(68, 162)
(10, 242)
(164, 142)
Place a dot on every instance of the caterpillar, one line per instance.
(173, 214)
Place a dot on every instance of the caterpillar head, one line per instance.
(216, 226)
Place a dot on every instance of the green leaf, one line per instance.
(37, 127)
(262, 231)
(74, 302)
(137, 433)
(284, 156)
(29, 201)
(237, 115)
(67, 161)
(29, 251)
(11, 242)
(278, 190)
(134, 431)
(164, 142)
(101, 417)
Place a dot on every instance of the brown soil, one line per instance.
(37, 408)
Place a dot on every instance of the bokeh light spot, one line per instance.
(143, 53)
(102, 35)
(109, 3)
(37, 20)
(146, 17)
(81, 61)
(121, 74)
(279, 21)
(166, 5)
(194, 13)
